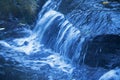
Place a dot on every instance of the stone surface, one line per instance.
(103, 51)
(14, 30)
(111, 75)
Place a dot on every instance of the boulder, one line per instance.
(103, 51)
(111, 75)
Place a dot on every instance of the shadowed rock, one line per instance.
(103, 51)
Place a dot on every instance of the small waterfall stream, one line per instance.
(58, 34)
(54, 47)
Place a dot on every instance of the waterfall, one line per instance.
(53, 31)
(58, 34)
(50, 4)
(47, 23)
(68, 42)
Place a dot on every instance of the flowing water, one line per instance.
(53, 49)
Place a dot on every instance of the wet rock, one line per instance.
(12, 69)
(14, 30)
(111, 75)
(2, 73)
(66, 6)
(112, 4)
(114, 0)
(103, 51)
(21, 10)
(2, 60)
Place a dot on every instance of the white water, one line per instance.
(66, 41)
(63, 38)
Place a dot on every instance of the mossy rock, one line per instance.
(23, 10)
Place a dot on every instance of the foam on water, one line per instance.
(56, 61)
(30, 46)
(26, 45)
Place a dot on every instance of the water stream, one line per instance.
(54, 47)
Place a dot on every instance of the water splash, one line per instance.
(45, 57)
(25, 45)
(55, 32)
(56, 61)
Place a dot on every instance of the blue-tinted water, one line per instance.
(53, 49)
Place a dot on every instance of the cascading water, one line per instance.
(43, 36)
(57, 33)
(54, 47)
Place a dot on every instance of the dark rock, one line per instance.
(114, 0)
(65, 6)
(103, 51)
(14, 30)
(26, 43)
(2, 60)
(112, 4)
(20, 10)
(41, 3)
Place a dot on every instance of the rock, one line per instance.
(114, 0)
(22, 10)
(14, 30)
(112, 4)
(103, 51)
(111, 75)
(66, 7)
(2, 60)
